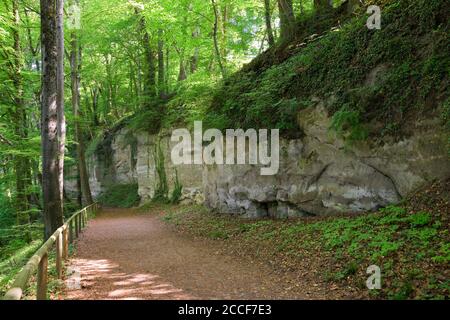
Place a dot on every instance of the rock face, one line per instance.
(131, 159)
(147, 178)
(319, 174)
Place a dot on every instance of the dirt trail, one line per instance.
(125, 255)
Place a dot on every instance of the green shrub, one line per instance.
(420, 219)
(120, 196)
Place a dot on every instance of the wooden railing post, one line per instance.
(71, 231)
(65, 244)
(41, 292)
(76, 226)
(59, 253)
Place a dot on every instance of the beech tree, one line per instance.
(287, 19)
(21, 163)
(51, 187)
(75, 67)
(268, 18)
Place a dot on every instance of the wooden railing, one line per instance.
(62, 237)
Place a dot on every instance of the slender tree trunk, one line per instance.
(33, 50)
(94, 95)
(110, 96)
(182, 71)
(150, 72)
(216, 44)
(161, 72)
(224, 35)
(80, 192)
(167, 69)
(287, 19)
(75, 85)
(268, 16)
(60, 95)
(194, 57)
(139, 81)
(21, 163)
(52, 191)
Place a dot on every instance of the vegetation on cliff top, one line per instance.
(374, 82)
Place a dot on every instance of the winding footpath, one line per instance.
(126, 255)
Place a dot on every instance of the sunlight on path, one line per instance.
(125, 255)
(102, 279)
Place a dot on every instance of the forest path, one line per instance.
(126, 255)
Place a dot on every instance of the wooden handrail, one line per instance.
(39, 260)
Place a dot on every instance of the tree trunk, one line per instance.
(268, 16)
(60, 95)
(182, 72)
(161, 83)
(75, 85)
(34, 50)
(323, 5)
(216, 44)
(287, 19)
(194, 57)
(224, 35)
(21, 163)
(52, 191)
(80, 192)
(94, 96)
(150, 72)
(167, 68)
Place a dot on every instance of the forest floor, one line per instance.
(127, 254)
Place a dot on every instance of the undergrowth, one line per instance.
(120, 196)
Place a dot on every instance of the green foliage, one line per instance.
(349, 123)
(148, 120)
(420, 219)
(120, 196)
(409, 52)
(443, 254)
(13, 257)
(177, 190)
(7, 216)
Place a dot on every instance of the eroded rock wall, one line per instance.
(319, 174)
(190, 176)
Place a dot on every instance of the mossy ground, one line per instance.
(409, 242)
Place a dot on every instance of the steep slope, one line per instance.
(373, 82)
